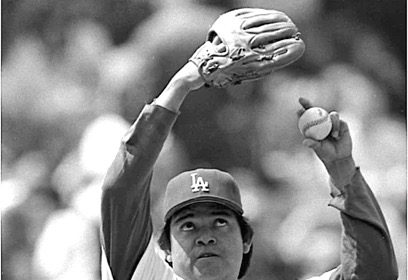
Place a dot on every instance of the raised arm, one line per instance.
(367, 252)
(126, 221)
(249, 44)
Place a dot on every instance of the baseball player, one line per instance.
(205, 233)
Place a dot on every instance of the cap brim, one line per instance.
(231, 205)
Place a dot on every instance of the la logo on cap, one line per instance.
(199, 184)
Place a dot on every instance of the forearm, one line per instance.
(126, 221)
(143, 142)
(186, 80)
(341, 173)
(367, 250)
(172, 96)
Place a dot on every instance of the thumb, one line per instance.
(313, 144)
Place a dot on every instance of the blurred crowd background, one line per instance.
(75, 74)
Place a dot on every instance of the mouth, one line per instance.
(206, 255)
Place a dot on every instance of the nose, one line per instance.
(206, 238)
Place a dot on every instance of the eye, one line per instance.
(188, 226)
(221, 222)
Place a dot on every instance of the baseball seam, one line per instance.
(313, 123)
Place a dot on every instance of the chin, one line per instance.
(209, 276)
(212, 270)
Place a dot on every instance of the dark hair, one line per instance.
(246, 231)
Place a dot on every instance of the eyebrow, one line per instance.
(183, 217)
(190, 214)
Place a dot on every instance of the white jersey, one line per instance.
(151, 266)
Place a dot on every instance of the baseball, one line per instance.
(315, 123)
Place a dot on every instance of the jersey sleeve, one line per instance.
(367, 252)
(126, 222)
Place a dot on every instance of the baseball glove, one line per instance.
(247, 44)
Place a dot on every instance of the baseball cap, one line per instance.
(201, 185)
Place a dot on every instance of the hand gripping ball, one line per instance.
(315, 123)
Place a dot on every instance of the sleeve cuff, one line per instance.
(337, 187)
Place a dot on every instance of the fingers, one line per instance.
(285, 51)
(257, 18)
(339, 127)
(273, 27)
(344, 129)
(269, 39)
(310, 143)
(335, 119)
(306, 104)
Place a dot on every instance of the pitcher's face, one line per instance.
(206, 242)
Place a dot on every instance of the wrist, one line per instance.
(181, 85)
(172, 96)
(341, 171)
(183, 82)
(188, 78)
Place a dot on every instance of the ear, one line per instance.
(247, 246)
